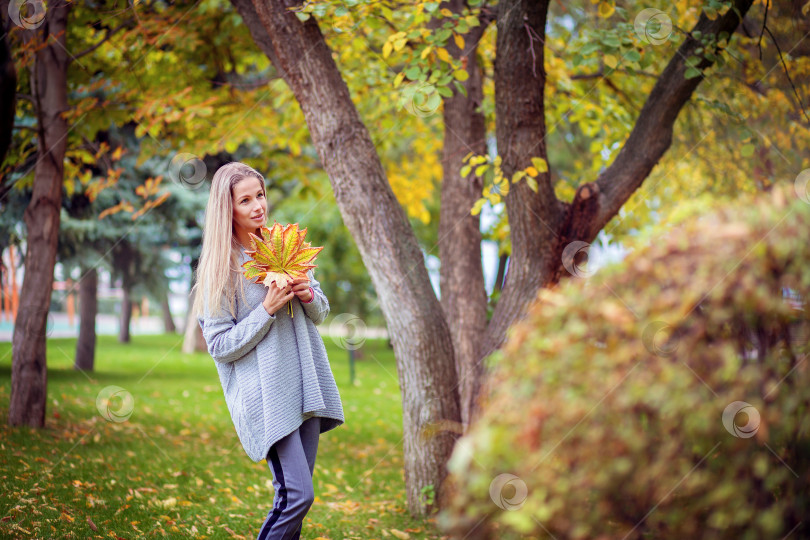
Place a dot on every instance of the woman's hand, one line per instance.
(276, 298)
(300, 287)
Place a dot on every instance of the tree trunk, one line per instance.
(49, 91)
(464, 297)
(541, 226)
(126, 313)
(520, 129)
(168, 320)
(501, 272)
(193, 340)
(125, 261)
(88, 309)
(422, 341)
(8, 89)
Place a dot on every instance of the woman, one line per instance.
(274, 371)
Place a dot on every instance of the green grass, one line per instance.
(175, 467)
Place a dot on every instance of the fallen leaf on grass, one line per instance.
(347, 507)
(229, 531)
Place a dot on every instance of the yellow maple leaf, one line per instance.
(279, 256)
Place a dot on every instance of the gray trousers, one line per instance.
(292, 461)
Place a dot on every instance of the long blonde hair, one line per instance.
(218, 266)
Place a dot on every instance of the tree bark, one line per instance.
(8, 88)
(193, 339)
(126, 313)
(422, 341)
(464, 296)
(125, 265)
(49, 90)
(88, 309)
(501, 272)
(168, 320)
(520, 130)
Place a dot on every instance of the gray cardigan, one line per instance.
(273, 368)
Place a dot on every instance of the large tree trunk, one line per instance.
(464, 297)
(49, 91)
(387, 244)
(88, 309)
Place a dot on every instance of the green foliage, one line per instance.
(610, 402)
(428, 494)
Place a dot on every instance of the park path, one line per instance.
(59, 326)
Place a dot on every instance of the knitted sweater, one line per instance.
(273, 368)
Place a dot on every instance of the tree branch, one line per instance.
(109, 34)
(251, 19)
(601, 73)
(652, 134)
(787, 73)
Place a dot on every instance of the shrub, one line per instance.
(663, 397)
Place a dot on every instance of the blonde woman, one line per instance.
(274, 371)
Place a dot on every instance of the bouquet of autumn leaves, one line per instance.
(280, 255)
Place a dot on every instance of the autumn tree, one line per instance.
(48, 63)
(73, 83)
(441, 347)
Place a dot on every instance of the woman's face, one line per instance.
(249, 204)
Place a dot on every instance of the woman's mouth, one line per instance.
(258, 218)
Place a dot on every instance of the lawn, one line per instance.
(175, 467)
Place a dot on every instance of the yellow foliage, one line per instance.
(413, 180)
